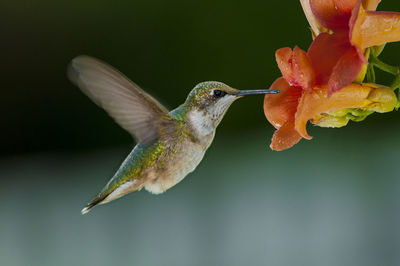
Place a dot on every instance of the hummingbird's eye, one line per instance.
(219, 93)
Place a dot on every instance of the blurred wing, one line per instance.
(131, 107)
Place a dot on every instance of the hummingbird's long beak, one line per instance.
(251, 92)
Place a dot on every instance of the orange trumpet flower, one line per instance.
(323, 86)
(343, 29)
(302, 99)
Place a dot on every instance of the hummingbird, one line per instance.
(170, 144)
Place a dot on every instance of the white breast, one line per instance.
(181, 166)
(201, 122)
(190, 154)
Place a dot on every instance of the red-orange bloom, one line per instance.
(341, 60)
(344, 29)
(302, 99)
(318, 86)
(371, 28)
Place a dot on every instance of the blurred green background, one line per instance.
(330, 201)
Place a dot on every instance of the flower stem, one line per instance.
(395, 85)
(383, 66)
(374, 61)
(370, 74)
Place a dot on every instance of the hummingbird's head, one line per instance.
(209, 101)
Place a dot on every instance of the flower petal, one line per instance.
(280, 108)
(333, 14)
(285, 137)
(317, 102)
(296, 67)
(302, 69)
(284, 60)
(325, 52)
(330, 120)
(382, 98)
(370, 4)
(316, 27)
(280, 111)
(371, 28)
(345, 71)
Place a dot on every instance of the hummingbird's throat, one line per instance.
(204, 121)
(201, 122)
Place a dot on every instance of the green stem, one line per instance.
(370, 74)
(395, 85)
(374, 61)
(383, 66)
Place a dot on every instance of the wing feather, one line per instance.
(131, 107)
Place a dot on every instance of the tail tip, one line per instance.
(93, 203)
(86, 209)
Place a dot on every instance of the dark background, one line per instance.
(330, 201)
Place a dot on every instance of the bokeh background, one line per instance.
(334, 200)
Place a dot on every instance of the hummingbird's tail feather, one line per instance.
(86, 210)
(96, 201)
(111, 193)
